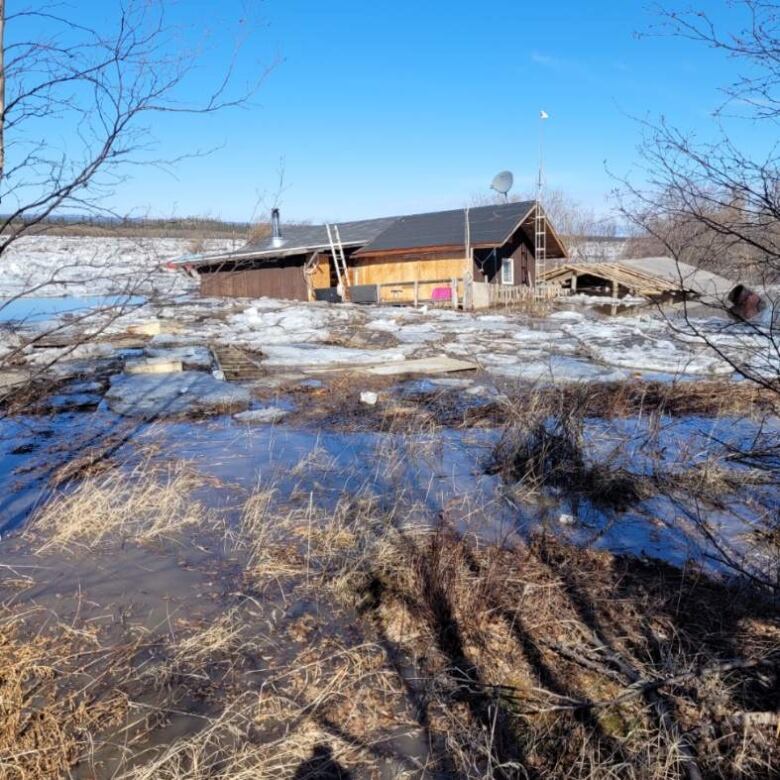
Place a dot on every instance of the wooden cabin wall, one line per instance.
(523, 257)
(320, 277)
(487, 263)
(434, 269)
(283, 279)
(487, 266)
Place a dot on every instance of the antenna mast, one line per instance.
(540, 220)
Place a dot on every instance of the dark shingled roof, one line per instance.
(489, 225)
(313, 236)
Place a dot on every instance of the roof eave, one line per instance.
(409, 250)
(266, 254)
(553, 231)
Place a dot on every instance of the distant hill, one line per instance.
(184, 227)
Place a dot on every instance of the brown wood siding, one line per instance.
(407, 268)
(524, 266)
(487, 263)
(283, 279)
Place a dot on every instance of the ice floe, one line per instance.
(170, 395)
(268, 414)
(644, 344)
(551, 370)
(326, 355)
(89, 265)
(195, 357)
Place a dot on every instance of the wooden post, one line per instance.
(574, 283)
(416, 293)
(468, 292)
(454, 288)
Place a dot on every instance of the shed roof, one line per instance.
(649, 276)
(705, 283)
(488, 226)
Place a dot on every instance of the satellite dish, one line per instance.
(502, 182)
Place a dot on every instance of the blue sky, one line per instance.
(380, 107)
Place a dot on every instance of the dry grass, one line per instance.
(54, 692)
(550, 453)
(351, 636)
(145, 505)
(226, 750)
(536, 658)
(338, 407)
(539, 645)
(624, 399)
(220, 638)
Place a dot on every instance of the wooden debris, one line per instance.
(615, 275)
(154, 328)
(153, 366)
(236, 364)
(67, 341)
(435, 365)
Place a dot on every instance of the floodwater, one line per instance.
(442, 474)
(32, 309)
(292, 460)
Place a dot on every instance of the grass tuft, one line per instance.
(146, 505)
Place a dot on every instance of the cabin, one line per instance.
(407, 259)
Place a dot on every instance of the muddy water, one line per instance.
(127, 594)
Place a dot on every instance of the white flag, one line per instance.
(543, 115)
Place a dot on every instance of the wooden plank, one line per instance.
(435, 365)
(119, 341)
(321, 276)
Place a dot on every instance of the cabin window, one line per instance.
(507, 271)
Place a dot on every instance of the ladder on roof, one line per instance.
(339, 259)
(540, 247)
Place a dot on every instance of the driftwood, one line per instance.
(641, 686)
(649, 689)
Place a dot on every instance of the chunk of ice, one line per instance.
(169, 395)
(269, 414)
(321, 355)
(196, 357)
(369, 398)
